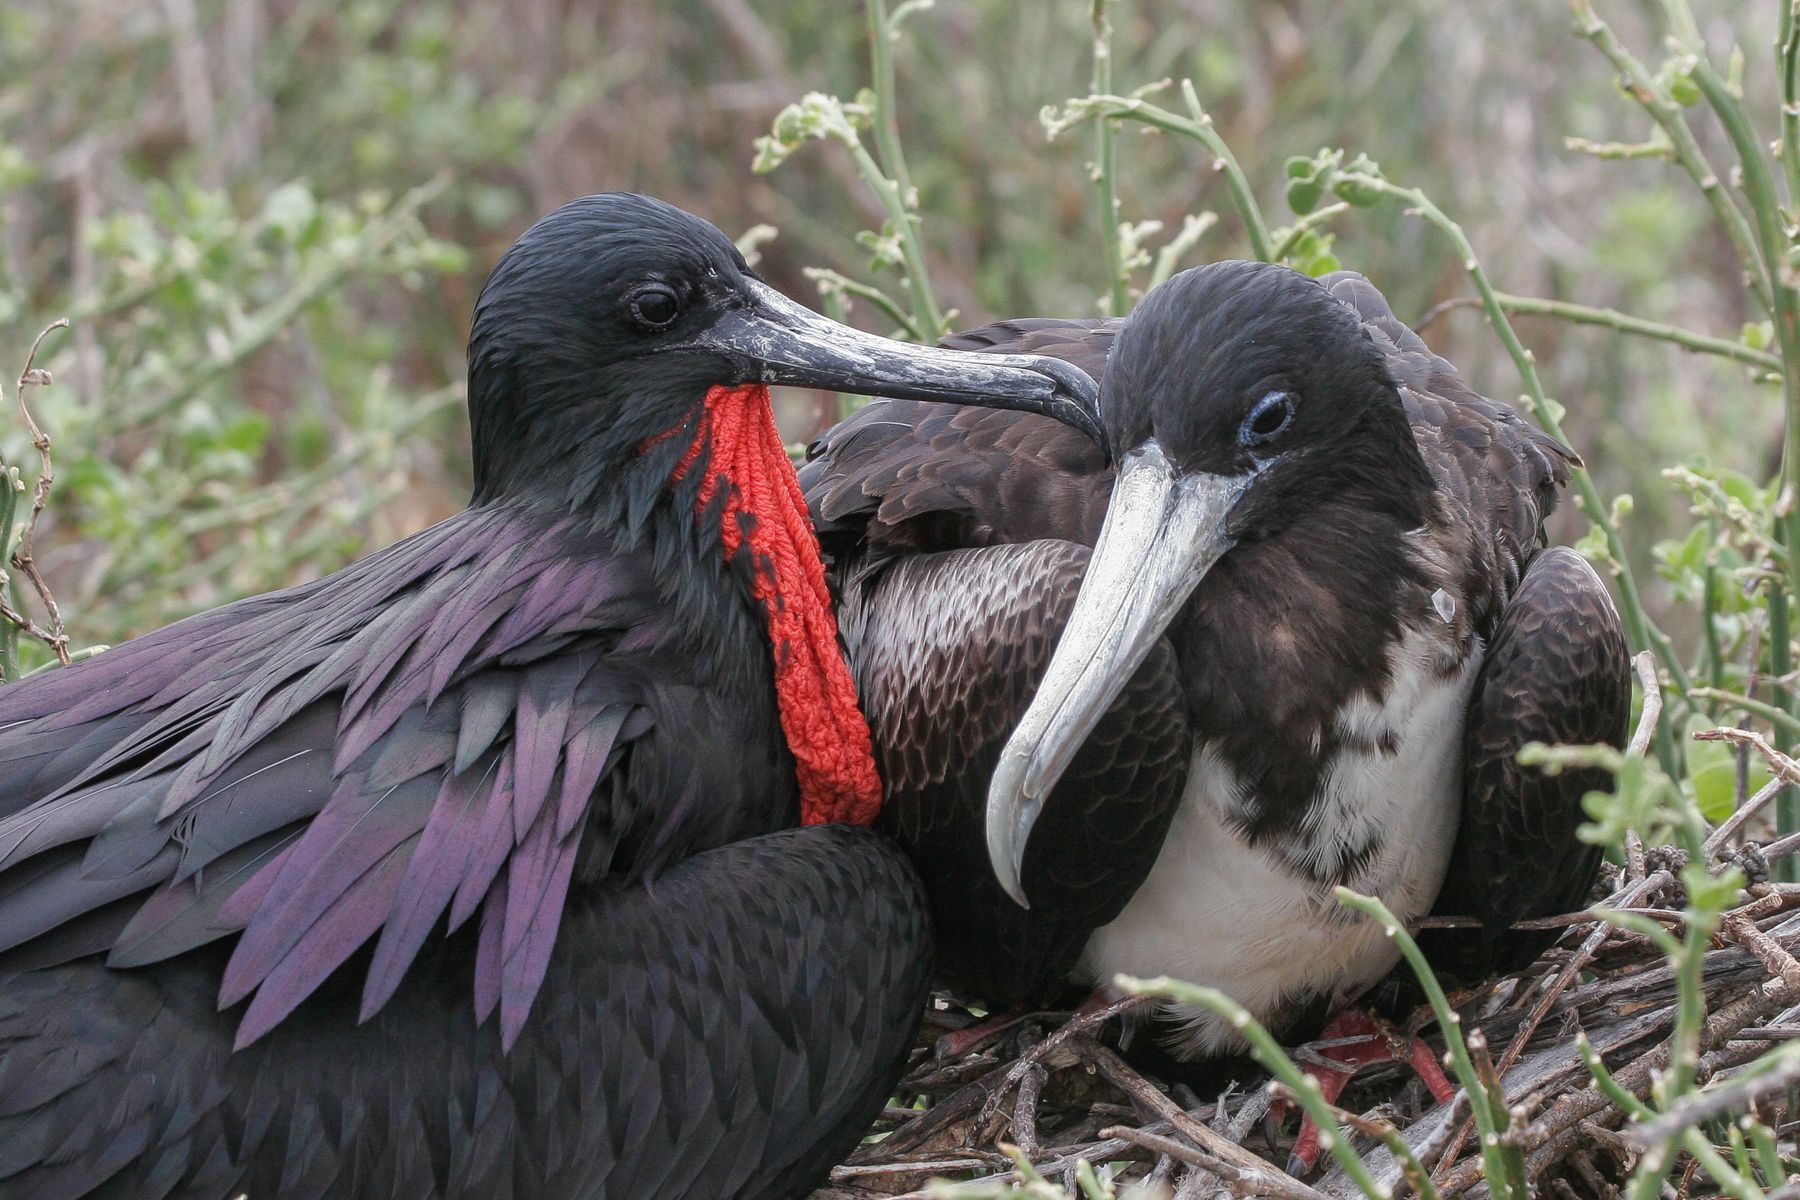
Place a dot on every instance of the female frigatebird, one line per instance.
(1315, 625)
(241, 857)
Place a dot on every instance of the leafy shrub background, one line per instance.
(269, 218)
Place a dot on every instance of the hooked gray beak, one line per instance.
(1163, 532)
(797, 346)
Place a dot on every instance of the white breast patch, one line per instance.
(1217, 911)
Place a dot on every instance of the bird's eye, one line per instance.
(655, 306)
(1272, 414)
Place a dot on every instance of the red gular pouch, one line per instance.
(764, 510)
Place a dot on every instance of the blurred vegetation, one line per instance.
(269, 311)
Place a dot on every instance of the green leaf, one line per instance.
(1712, 769)
(1303, 195)
(1356, 186)
(291, 210)
(247, 435)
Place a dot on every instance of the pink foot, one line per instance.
(1352, 1040)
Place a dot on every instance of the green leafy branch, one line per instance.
(1198, 125)
(1755, 218)
(820, 117)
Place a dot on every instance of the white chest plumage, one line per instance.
(1256, 922)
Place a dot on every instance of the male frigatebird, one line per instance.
(1315, 625)
(253, 865)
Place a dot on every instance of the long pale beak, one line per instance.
(794, 345)
(1163, 532)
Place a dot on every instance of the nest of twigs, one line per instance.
(1057, 1089)
(1053, 1093)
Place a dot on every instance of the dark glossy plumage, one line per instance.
(907, 476)
(433, 731)
(456, 873)
(735, 1059)
(1554, 674)
(1298, 621)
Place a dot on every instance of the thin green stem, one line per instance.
(1118, 280)
(1712, 657)
(1787, 804)
(1582, 314)
(1192, 227)
(1758, 183)
(1200, 128)
(1608, 1086)
(1241, 195)
(1656, 147)
(1787, 53)
(1683, 145)
(1690, 1009)
(1303, 1087)
(1779, 718)
(1681, 18)
(1768, 1156)
(886, 117)
(889, 177)
(1740, 1186)
(1771, 238)
(830, 282)
(1290, 237)
(1504, 1165)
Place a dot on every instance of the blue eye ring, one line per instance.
(1268, 420)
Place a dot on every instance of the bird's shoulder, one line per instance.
(907, 476)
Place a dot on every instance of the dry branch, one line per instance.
(23, 559)
(1613, 986)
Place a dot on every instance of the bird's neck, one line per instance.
(747, 490)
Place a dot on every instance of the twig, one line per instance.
(1104, 167)
(1075, 1026)
(1716, 1102)
(1782, 847)
(1233, 1178)
(1645, 665)
(1781, 720)
(1024, 1115)
(1649, 721)
(1768, 951)
(1613, 319)
(1557, 986)
(1251, 1169)
(899, 1167)
(1554, 1133)
(22, 559)
(1748, 809)
(1779, 763)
